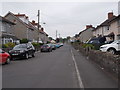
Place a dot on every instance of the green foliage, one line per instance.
(48, 42)
(24, 40)
(88, 46)
(36, 44)
(8, 45)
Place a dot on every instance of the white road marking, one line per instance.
(77, 71)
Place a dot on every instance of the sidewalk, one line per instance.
(92, 75)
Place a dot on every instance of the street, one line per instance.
(62, 68)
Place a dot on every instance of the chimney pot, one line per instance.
(88, 26)
(33, 21)
(110, 15)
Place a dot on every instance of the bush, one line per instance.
(37, 44)
(88, 46)
(8, 45)
(24, 40)
(4, 46)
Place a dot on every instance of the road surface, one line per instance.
(62, 68)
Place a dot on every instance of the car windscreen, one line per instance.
(45, 46)
(20, 46)
(0, 51)
(94, 41)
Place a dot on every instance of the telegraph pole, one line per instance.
(56, 34)
(38, 25)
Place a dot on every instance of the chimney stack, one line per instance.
(110, 15)
(88, 26)
(42, 29)
(33, 21)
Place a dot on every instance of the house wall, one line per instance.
(86, 35)
(105, 30)
(114, 28)
(99, 31)
(20, 30)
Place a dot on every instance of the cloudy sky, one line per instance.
(68, 18)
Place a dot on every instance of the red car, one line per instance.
(4, 57)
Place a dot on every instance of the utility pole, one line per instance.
(59, 35)
(56, 34)
(38, 25)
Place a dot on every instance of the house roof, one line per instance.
(6, 20)
(85, 30)
(20, 15)
(27, 25)
(106, 22)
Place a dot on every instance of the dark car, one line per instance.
(22, 51)
(46, 48)
(96, 42)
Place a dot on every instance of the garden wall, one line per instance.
(106, 61)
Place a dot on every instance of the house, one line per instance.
(110, 28)
(43, 36)
(86, 34)
(7, 31)
(23, 28)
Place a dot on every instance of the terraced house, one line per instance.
(43, 36)
(86, 34)
(22, 29)
(110, 28)
(7, 31)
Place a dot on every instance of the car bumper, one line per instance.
(44, 50)
(17, 56)
(103, 49)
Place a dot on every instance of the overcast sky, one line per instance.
(68, 18)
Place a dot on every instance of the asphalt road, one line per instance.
(62, 68)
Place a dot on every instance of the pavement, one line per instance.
(62, 68)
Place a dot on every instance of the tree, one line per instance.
(24, 40)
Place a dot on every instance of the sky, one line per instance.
(68, 18)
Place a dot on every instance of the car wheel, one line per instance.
(112, 51)
(26, 56)
(8, 60)
(33, 55)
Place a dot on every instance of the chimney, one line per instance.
(88, 26)
(110, 15)
(42, 29)
(33, 21)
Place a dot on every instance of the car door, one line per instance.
(2, 57)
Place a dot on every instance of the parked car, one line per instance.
(57, 45)
(22, 51)
(53, 46)
(112, 47)
(96, 42)
(46, 48)
(4, 57)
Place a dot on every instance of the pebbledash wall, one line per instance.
(106, 61)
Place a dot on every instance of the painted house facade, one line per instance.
(43, 37)
(109, 28)
(7, 31)
(86, 34)
(23, 28)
